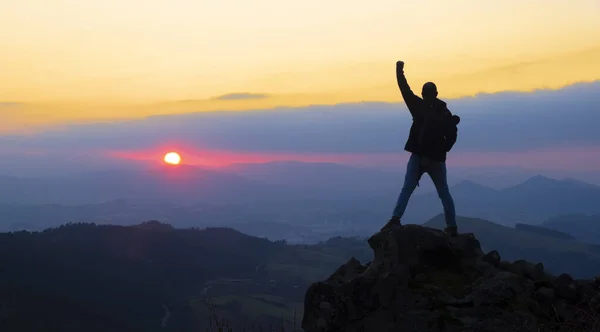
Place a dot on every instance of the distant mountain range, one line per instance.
(190, 184)
(323, 180)
(121, 212)
(531, 202)
(586, 228)
(299, 194)
(557, 253)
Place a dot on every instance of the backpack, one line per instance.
(451, 131)
(438, 131)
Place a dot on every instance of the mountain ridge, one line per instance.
(531, 202)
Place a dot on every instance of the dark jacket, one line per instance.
(428, 118)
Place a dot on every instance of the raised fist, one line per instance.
(400, 65)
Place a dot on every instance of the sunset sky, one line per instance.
(73, 60)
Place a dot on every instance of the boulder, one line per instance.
(347, 271)
(492, 257)
(566, 288)
(545, 294)
(421, 279)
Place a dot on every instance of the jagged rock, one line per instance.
(561, 308)
(565, 287)
(587, 289)
(421, 248)
(423, 280)
(347, 271)
(529, 270)
(501, 288)
(508, 266)
(595, 303)
(545, 294)
(492, 257)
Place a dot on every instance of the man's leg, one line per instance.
(411, 179)
(437, 172)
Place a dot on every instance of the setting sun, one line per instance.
(172, 158)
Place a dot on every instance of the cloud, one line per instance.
(9, 111)
(9, 104)
(324, 84)
(546, 128)
(242, 96)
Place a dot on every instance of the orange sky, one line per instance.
(72, 60)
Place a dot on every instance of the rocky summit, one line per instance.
(424, 280)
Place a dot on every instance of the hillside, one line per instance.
(296, 221)
(127, 278)
(533, 201)
(423, 280)
(116, 278)
(544, 231)
(586, 228)
(558, 255)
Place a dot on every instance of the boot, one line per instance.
(451, 230)
(394, 222)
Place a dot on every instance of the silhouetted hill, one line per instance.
(544, 231)
(586, 228)
(555, 196)
(127, 273)
(124, 278)
(296, 221)
(558, 255)
(423, 280)
(468, 188)
(117, 278)
(37, 217)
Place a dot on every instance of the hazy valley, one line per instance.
(298, 202)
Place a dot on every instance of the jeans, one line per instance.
(437, 172)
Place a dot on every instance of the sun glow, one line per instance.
(172, 158)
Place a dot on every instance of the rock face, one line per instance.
(423, 280)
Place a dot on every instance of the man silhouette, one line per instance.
(432, 134)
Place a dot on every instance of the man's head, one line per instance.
(429, 91)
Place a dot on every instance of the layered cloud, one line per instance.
(541, 129)
(242, 96)
(320, 83)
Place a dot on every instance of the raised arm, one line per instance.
(412, 101)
